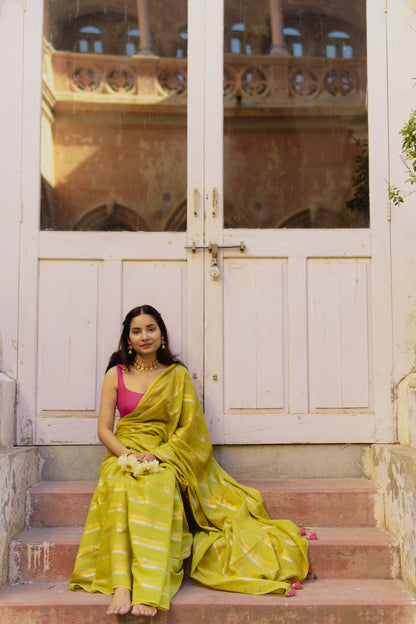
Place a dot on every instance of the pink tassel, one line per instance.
(303, 532)
(297, 585)
(291, 593)
(312, 536)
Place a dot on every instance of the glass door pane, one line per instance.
(295, 117)
(114, 115)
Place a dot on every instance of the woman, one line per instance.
(136, 536)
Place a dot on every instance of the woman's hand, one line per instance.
(146, 457)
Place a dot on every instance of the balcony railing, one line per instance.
(249, 81)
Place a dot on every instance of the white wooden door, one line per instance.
(298, 326)
(77, 286)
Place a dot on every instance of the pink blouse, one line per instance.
(127, 400)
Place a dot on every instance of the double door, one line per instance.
(285, 330)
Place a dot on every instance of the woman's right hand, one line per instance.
(146, 457)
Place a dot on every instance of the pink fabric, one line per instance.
(127, 400)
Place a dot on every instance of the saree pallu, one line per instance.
(136, 534)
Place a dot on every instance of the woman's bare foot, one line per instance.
(142, 609)
(121, 603)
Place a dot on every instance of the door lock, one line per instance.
(215, 269)
(213, 249)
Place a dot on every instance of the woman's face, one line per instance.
(145, 336)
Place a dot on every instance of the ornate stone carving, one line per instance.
(86, 79)
(172, 81)
(254, 82)
(340, 82)
(303, 83)
(120, 80)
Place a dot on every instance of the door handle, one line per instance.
(214, 201)
(195, 197)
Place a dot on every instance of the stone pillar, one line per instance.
(278, 47)
(146, 44)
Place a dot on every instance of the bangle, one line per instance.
(127, 453)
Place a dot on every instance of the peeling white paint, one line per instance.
(38, 556)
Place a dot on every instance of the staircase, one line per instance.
(356, 563)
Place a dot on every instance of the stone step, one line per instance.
(316, 502)
(341, 552)
(320, 602)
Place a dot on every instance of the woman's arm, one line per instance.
(106, 414)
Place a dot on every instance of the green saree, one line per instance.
(136, 534)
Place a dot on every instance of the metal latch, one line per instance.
(213, 249)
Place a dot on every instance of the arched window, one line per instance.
(238, 42)
(133, 41)
(294, 40)
(90, 40)
(338, 45)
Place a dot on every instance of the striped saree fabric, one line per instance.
(136, 534)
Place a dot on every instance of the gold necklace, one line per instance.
(145, 368)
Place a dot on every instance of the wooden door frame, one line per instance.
(205, 117)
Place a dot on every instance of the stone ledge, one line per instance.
(277, 461)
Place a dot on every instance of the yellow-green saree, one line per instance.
(136, 534)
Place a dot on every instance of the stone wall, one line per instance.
(393, 468)
(19, 470)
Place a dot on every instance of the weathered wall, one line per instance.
(19, 470)
(393, 467)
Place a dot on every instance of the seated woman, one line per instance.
(160, 462)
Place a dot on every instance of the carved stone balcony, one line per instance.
(294, 86)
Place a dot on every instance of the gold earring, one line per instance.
(162, 345)
(130, 350)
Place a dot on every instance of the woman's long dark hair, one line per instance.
(123, 357)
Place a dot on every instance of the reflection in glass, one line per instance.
(295, 126)
(114, 115)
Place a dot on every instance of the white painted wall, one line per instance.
(11, 53)
(401, 16)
